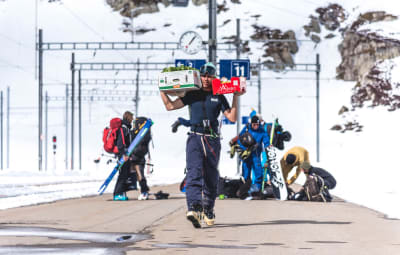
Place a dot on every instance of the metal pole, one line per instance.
(212, 31)
(317, 72)
(46, 121)
(8, 127)
(259, 86)
(132, 28)
(1, 128)
(72, 108)
(40, 97)
(80, 119)
(238, 99)
(137, 91)
(66, 126)
(36, 36)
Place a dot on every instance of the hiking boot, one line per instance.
(143, 196)
(209, 217)
(194, 215)
(120, 197)
(195, 218)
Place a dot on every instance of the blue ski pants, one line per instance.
(253, 161)
(202, 157)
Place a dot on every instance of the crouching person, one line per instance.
(317, 185)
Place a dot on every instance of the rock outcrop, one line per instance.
(330, 17)
(362, 53)
(281, 52)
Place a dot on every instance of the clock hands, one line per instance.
(194, 37)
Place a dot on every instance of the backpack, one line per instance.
(110, 136)
(280, 136)
(313, 187)
(246, 139)
(229, 187)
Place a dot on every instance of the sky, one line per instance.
(363, 163)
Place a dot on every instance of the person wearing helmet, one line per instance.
(254, 146)
(203, 144)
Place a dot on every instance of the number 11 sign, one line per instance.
(234, 68)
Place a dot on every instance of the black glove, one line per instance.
(175, 126)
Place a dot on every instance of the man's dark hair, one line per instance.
(290, 159)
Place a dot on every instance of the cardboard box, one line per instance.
(236, 84)
(178, 82)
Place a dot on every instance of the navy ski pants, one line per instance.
(202, 157)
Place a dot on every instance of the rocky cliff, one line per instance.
(362, 51)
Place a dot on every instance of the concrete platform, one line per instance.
(242, 227)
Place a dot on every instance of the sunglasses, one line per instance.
(208, 70)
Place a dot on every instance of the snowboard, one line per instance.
(121, 161)
(276, 177)
(277, 181)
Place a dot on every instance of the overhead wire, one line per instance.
(23, 69)
(93, 30)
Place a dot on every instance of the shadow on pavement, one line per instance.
(282, 222)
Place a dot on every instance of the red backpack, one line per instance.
(110, 136)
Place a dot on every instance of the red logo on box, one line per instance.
(226, 87)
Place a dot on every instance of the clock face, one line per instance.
(191, 42)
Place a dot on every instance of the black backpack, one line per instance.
(229, 187)
(246, 139)
(280, 136)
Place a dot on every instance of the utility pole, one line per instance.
(8, 127)
(66, 126)
(40, 110)
(80, 118)
(212, 31)
(259, 86)
(46, 121)
(239, 118)
(137, 91)
(72, 108)
(317, 92)
(1, 128)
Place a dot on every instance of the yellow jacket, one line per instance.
(301, 156)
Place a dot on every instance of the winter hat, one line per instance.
(305, 165)
(255, 119)
(290, 159)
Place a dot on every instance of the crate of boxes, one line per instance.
(177, 82)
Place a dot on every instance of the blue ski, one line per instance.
(121, 161)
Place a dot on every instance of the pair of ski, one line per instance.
(121, 161)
